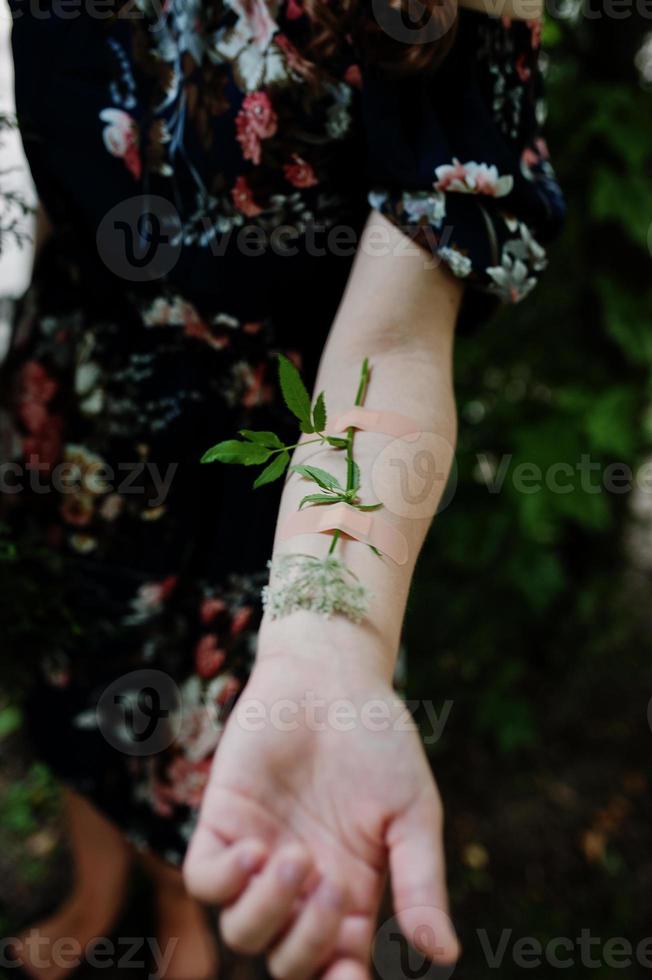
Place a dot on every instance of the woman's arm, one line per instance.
(400, 312)
(320, 781)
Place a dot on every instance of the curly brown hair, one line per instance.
(398, 36)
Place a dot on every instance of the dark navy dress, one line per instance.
(207, 182)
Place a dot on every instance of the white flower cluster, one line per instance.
(323, 585)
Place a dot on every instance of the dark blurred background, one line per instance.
(531, 616)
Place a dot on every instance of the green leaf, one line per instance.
(269, 439)
(272, 472)
(234, 451)
(294, 391)
(10, 721)
(319, 413)
(368, 506)
(319, 498)
(337, 442)
(356, 475)
(321, 477)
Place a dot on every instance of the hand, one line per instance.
(305, 807)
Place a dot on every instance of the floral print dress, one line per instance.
(206, 181)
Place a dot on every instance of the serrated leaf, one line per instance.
(319, 413)
(294, 392)
(319, 498)
(337, 442)
(322, 477)
(234, 451)
(269, 439)
(272, 472)
(356, 474)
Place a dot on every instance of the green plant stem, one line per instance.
(350, 470)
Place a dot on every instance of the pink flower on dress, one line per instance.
(208, 657)
(33, 415)
(353, 76)
(536, 30)
(255, 122)
(188, 780)
(120, 137)
(152, 595)
(241, 620)
(523, 70)
(294, 9)
(42, 449)
(472, 178)
(243, 198)
(231, 688)
(256, 391)
(36, 385)
(210, 608)
(299, 173)
(294, 60)
(542, 147)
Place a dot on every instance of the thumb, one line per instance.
(418, 872)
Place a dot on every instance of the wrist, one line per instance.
(337, 641)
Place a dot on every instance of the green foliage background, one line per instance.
(531, 610)
(529, 613)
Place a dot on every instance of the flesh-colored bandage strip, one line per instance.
(388, 423)
(365, 527)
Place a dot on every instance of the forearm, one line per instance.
(400, 313)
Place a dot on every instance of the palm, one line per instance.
(337, 778)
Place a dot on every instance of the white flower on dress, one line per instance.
(473, 178)
(248, 46)
(527, 248)
(459, 264)
(338, 114)
(425, 204)
(198, 727)
(87, 386)
(120, 137)
(511, 280)
(175, 31)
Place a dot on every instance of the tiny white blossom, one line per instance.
(430, 205)
(511, 280)
(323, 585)
(459, 264)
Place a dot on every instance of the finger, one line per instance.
(347, 970)
(216, 873)
(356, 937)
(250, 924)
(418, 873)
(311, 939)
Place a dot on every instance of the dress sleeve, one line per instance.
(457, 159)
